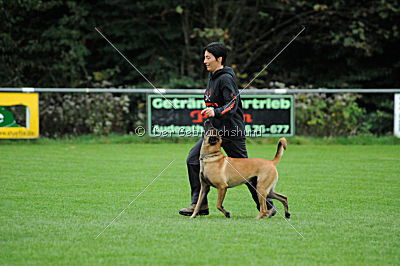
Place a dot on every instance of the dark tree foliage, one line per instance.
(54, 44)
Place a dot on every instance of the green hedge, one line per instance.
(333, 115)
(329, 115)
(79, 114)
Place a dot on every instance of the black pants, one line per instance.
(235, 148)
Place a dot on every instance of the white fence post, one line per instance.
(396, 129)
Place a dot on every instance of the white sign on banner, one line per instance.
(397, 115)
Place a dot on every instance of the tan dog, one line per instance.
(223, 172)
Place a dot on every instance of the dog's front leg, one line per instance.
(262, 196)
(221, 196)
(204, 188)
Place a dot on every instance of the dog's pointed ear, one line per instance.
(207, 126)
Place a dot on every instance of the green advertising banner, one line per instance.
(264, 115)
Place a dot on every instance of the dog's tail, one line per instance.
(282, 144)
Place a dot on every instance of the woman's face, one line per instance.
(211, 63)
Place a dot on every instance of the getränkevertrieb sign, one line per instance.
(264, 115)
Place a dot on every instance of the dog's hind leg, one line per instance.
(204, 189)
(221, 196)
(283, 199)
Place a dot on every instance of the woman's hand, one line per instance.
(208, 112)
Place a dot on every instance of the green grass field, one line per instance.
(57, 197)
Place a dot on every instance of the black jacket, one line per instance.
(223, 95)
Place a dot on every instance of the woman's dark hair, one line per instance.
(217, 49)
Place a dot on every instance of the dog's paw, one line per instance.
(287, 215)
(228, 215)
(192, 217)
(260, 216)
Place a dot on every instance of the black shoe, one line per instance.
(270, 205)
(273, 212)
(189, 210)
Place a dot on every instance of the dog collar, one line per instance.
(208, 156)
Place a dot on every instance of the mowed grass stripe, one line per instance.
(57, 197)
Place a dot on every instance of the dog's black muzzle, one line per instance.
(213, 140)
